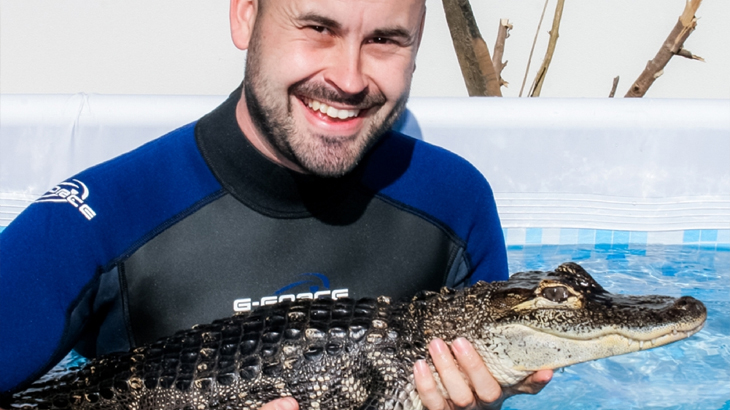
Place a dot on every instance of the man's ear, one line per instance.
(420, 34)
(421, 27)
(243, 16)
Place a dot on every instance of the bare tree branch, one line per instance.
(613, 89)
(542, 72)
(502, 35)
(471, 50)
(673, 45)
(529, 59)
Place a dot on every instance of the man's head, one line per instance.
(324, 78)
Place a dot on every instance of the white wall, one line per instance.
(183, 47)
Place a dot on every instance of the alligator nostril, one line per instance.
(688, 303)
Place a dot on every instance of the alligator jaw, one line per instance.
(515, 351)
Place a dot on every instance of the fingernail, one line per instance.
(287, 403)
(421, 367)
(460, 345)
(439, 346)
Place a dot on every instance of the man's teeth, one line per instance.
(331, 111)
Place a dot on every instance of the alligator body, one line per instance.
(346, 354)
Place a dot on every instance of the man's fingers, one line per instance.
(286, 403)
(538, 380)
(452, 378)
(429, 393)
(486, 387)
(533, 383)
(463, 374)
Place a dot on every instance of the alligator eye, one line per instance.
(556, 293)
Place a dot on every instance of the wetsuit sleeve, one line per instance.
(485, 246)
(52, 254)
(49, 257)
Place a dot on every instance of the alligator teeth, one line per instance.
(329, 110)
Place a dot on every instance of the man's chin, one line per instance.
(330, 160)
(328, 167)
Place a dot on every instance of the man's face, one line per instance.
(326, 78)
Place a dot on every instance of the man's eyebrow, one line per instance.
(393, 32)
(389, 32)
(319, 20)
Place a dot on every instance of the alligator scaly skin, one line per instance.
(328, 354)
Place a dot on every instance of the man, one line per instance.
(294, 187)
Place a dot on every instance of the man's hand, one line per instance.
(286, 403)
(469, 383)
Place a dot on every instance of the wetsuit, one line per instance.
(198, 224)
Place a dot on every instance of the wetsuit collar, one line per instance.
(256, 181)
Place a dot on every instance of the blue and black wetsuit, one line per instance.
(197, 224)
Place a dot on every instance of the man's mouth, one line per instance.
(330, 111)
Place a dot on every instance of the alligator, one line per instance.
(346, 354)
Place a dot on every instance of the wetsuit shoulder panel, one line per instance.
(447, 189)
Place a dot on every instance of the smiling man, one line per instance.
(295, 187)
(324, 80)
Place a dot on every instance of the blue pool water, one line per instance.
(690, 374)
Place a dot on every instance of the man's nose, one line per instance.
(345, 71)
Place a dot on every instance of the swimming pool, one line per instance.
(690, 374)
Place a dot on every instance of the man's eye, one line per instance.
(380, 40)
(319, 29)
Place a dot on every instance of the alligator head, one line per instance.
(548, 320)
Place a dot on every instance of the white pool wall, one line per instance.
(594, 170)
(564, 171)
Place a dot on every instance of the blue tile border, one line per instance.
(568, 236)
(638, 237)
(586, 236)
(533, 236)
(691, 236)
(719, 238)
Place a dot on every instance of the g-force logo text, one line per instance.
(316, 283)
(73, 192)
(246, 304)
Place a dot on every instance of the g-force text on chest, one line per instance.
(247, 304)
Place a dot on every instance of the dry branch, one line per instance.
(532, 49)
(672, 46)
(502, 35)
(613, 88)
(542, 72)
(471, 50)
